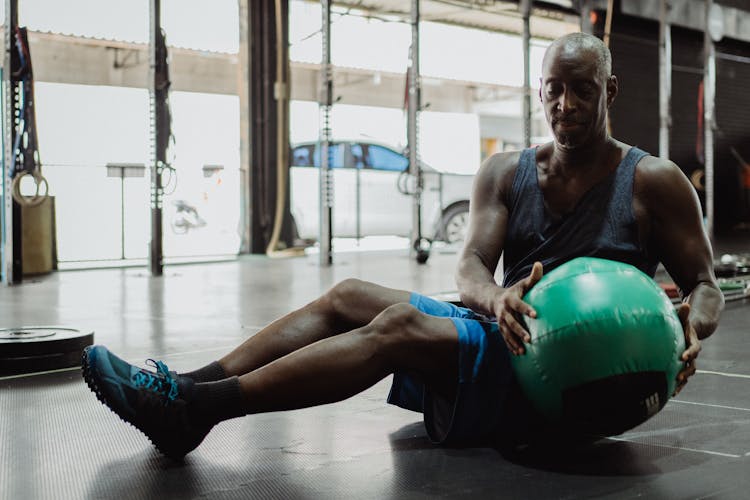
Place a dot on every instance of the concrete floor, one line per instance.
(59, 442)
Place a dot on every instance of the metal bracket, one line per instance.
(125, 58)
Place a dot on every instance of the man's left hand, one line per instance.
(692, 348)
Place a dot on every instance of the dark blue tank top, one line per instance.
(601, 225)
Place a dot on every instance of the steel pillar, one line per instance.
(709, 91)
(12, 266)
(160, 131)
(412, 136)
(264, 125)
(665, 78)
(585, 10)
(325, 100)
(244, 86)
(526, 14)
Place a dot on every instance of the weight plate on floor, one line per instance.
(39, 348)
(25, 334)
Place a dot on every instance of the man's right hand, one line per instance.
(509, 308)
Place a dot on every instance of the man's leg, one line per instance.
(335, 368)
(348, 305)
(176, 414)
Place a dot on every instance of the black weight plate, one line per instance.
(31, 364)
(41, 348)
(36, 340)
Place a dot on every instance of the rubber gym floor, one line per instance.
(59, 442)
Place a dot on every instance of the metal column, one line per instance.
(709, 90)
(158, 86)
(12, 271)
(585, 10)
(412, 137)
(244, 86)
(665, 78)
(525, 7)
(264, 125)
(325, 104)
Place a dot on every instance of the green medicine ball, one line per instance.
(605, 347)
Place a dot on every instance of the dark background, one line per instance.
(635, 113)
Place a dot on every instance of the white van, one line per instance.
(371, 193)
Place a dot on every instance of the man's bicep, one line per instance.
(486, 234)
(683, 245)
(488, 217)
(689, 262)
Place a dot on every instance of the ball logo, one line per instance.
(652, 404)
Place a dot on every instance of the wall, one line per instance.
(634, 46)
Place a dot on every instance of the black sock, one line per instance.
(209, 373)
(213, 402)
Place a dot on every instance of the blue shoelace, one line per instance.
(157, 382)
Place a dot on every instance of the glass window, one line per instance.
(382, 158)
(337, 156)
(358, 155)
(302, 156)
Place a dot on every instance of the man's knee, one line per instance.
(396, 325)
(405, 338)
(345, 295)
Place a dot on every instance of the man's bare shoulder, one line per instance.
(657, 180)
(500, 168)
(654, 164)
(494, 179)
(653, 171)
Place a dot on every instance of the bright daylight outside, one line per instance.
(94, 139)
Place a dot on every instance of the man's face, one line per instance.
(575, 94)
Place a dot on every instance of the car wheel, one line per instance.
(455, 223)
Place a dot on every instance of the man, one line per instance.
(583, 194)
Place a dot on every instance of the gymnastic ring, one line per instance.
(698, 178)
(29, 201)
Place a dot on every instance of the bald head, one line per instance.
(581, 45)
(577, 88)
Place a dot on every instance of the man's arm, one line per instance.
(678, 237)
(488, 220)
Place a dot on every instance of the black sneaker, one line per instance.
(155, 403)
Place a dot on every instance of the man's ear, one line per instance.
(612, 89)
(540, 90)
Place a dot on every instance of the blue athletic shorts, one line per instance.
(488, 401)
